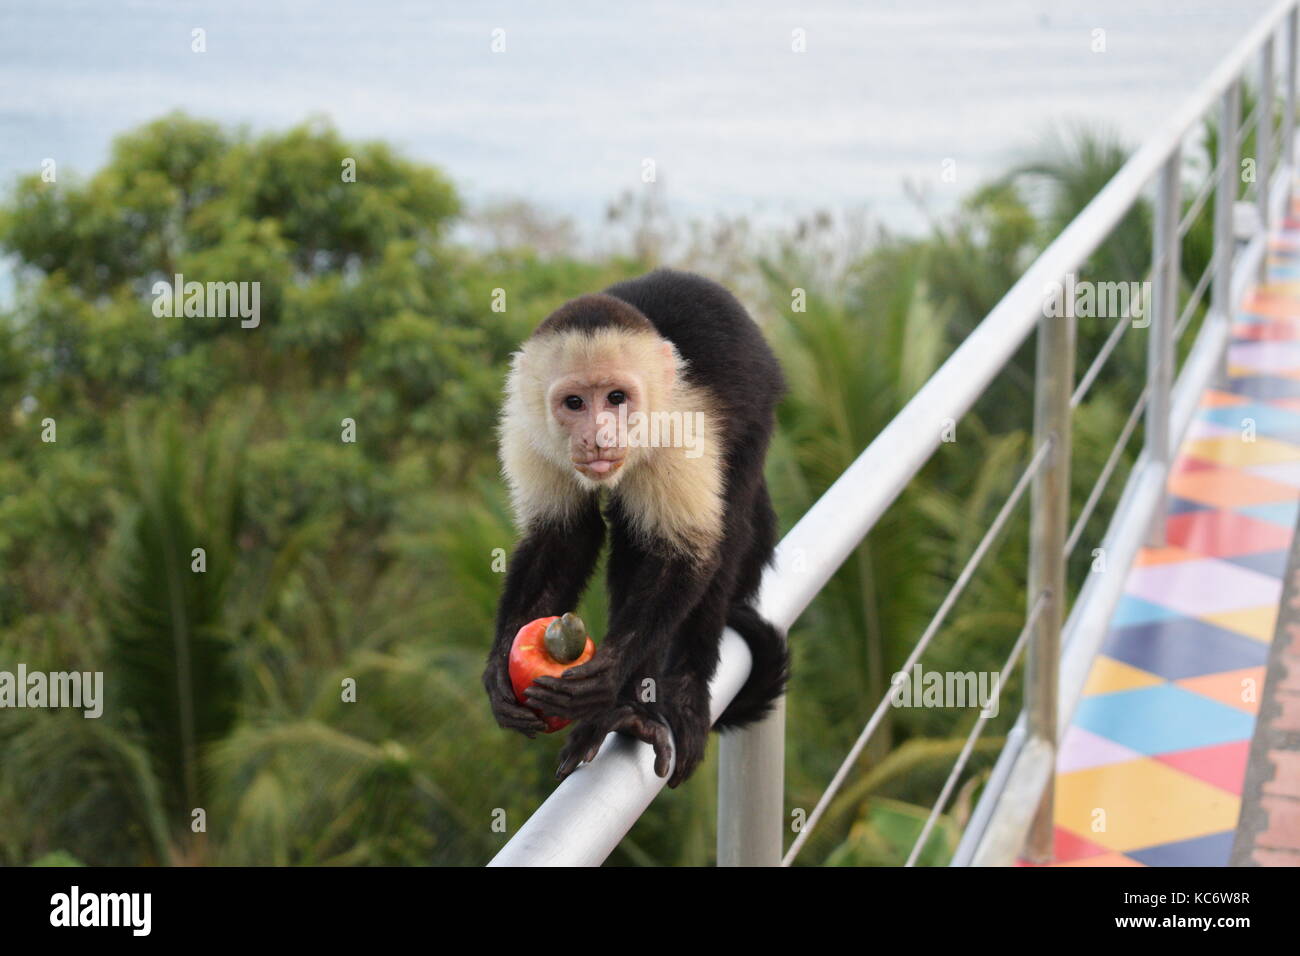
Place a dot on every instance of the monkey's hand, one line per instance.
(632, 719)
(509, 713)
(583, 691)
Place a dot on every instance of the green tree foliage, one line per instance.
(372, 566)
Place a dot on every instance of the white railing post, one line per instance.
(1162, 315)
(751, 794)
(1264, 148)
(1288, 119)
(1049, 524)
(1225, 199)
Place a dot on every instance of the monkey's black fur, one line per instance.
(667, 609)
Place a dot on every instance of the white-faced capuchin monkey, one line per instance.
(655, 398)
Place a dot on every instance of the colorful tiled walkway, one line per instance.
(1151, 772)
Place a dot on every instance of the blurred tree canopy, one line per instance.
(313, 688)
(326, 560)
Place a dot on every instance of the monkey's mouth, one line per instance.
(599, 468)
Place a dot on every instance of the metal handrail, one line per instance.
(589, 812)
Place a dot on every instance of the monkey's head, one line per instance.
(589, 371)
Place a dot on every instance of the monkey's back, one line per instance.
(724, 348)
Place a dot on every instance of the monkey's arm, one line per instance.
(545, 576)
(660, 589)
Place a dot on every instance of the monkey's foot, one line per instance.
(587, 736)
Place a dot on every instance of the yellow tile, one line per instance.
(1234, 451)
(1141, 803)
(1285, 288)
(1256, 622)
(1109, 675)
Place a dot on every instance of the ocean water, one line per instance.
(734, 120)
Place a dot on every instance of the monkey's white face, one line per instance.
(587, 409)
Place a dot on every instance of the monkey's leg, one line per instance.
(685, 707)
(682, 698)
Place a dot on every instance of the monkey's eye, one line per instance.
(616, 397)
(573, 403)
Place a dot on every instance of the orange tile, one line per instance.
(1216, 399)
(1268, 303)
(1240, 688)
(1230, 488)
(1167, 555)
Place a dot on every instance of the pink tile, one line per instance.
(1203, 587)
(1204, 429)
(1223, 765)
(1083, 749)
(1189, 463)
(1266, 356)
(1069, 846)
(1224, 534)
(1286, 472)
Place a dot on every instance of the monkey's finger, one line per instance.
(663, 746)
(515, 711)
(564, 685)
(528, 728)
(572, 686)
(593, 668)
(514, 717)
(569, 764)
(549, 701)
(549, 683)
(572, 707)
(587, 691)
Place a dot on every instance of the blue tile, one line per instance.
(1289, 435)
(1134, 610)
(1179, 647)
(1265, 386)
(1178, 506)
(1162, 719)
(1212, 850)
(1282, 513)
(1265, 562)
(1267, 419)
